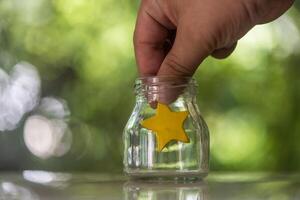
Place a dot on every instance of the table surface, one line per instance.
(38, 185)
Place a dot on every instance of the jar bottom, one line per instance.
(158, 175)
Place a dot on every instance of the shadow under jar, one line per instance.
(177, 159)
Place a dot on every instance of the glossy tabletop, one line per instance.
(38, 185)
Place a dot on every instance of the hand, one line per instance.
(172, 37)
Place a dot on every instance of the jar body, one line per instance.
(177, 159)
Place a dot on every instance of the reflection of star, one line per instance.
(166, 125)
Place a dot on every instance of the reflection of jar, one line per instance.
(142, 157)
(165, 190)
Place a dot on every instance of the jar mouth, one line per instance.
(164, 89)
(165, 77)
(166, 81)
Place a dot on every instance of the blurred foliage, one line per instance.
(83, 52)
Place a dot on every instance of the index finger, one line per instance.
(149, 39)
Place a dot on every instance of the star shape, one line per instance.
(166, 125)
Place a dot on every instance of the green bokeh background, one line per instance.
(84, 54)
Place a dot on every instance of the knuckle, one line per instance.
(138, 41)
(175, 67)
(208, 37)
(251, 10)
(135, 39)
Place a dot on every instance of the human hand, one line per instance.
(172, 37)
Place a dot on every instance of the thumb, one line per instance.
(188, 51)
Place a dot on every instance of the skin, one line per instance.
(173, 37)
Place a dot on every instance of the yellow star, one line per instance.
(167, 126)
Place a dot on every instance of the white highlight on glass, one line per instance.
(9, 190)
(46, 178)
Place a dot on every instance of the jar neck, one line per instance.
(165, 89)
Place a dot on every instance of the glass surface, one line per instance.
(45, 185)
(177, 159)
(135, 190)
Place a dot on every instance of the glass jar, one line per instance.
(157, 152)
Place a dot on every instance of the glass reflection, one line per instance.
(19, 94)
(137, 190)
(54, 179)
(10, 191)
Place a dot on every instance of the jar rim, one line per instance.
(155, 87)
(165, 77)
(173, 80)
